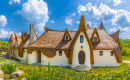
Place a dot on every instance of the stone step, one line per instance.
(82, 68)
(85, 69)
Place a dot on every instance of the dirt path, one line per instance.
(126, 61)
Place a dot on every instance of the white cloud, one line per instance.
(75, 29)
(103, 12)
(36, 12)
(3, 21)
(116, 2)
(15, 1)
(68, 19)
(113, 30)
(77, 22)
(6, 33)
(52, 21)
(123, 32)
(88, 22)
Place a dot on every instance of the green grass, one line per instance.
(34, 72)
(59, 73)
(8, 67)
(126, 57)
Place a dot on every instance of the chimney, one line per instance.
(31, 33)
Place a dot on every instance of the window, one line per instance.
(95, 39)
(81, 38)
(116, 41)
(111, 53)
(66, 37)
(101, 53)
(60, 53)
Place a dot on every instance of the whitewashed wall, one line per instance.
(24, 55)
(77, 49)
(16, 53)
(32, 58)
(56, 60)
(106, 59)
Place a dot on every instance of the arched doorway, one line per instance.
(81, 57)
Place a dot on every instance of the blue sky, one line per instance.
(17, 15)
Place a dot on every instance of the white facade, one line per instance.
(56, 60)
(106, 59)
(24, 55)
(32, 58)
(77, 49)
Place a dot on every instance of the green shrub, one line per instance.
(8, 67)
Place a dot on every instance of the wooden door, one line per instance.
(81, 57)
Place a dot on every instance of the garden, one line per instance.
(35, 72)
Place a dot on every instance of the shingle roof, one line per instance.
(12, 40)
(23, 43)
(18, 39)
(115, 35)
(102, 26)
(54, 40)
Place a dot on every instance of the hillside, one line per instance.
(4, 44)
(125, 46)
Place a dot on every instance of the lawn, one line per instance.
(34, 72)
(58, 73)
(126, 57)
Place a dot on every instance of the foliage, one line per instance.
(4, 44)
(126, 57)
(59, 73)
(125, 46)
(8, 67)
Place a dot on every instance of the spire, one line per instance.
(88, 27)
(82, 25)
(46, 29)
(95, 32)
(115, 35)
(101, 26)
(66, 32)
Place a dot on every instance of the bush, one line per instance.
(8, 67)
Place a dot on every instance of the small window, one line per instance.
(60, 53)
(111, 53)
(101, 53)
(81, 38)
(66, 37)
(116, 41)
(95, 39)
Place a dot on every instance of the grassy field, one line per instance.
(33, 72)
(126, 57)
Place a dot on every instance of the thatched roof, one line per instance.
(53, 39)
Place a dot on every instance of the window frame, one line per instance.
(60, 53)
(111, 53)
(94, 39)
(67, 37)
(81, 39)
(100, 53)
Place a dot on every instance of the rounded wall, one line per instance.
(77, 49)
(16, 53)
(56, 60)
(106, 59)
(32, 58)
(24, 55)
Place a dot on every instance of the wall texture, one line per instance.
(106, 59)
(56, 60)
(77, 49)
(24, 55)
